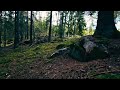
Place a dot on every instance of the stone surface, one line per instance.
(59, 52)
(87, 49)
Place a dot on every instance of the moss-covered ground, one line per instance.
(31, 62)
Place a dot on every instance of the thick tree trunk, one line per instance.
(50, 27)
(106, 25)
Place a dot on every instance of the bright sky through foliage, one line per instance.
(88, 19)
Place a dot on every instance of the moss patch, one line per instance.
(77, 52)
(108, 76)
(17, 59)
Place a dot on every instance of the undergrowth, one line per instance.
(25, 55)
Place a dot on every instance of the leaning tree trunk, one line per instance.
(106, 25)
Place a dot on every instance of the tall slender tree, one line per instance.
(10, 26)
(5, 28)
(31, 27)
(61, 31)
(27, 25)
(0, 27)
(16, 38)
(50, 27)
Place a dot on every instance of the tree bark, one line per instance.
(31, 27)
(61, 25)
(50, 27)
(16, 38)
(4, 37)
(106, 25)
(0, 28)
(74, 26)
(27, 25)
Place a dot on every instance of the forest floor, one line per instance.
(31, 62)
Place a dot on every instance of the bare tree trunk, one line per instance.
(16, 38)
(106, 25)
(61, 25)
(27, 25)
(0, 28)
(31, 27)
(49, 37)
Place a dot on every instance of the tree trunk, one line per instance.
(74, 26)
(61, 25)
(64, 26)
(106, 25)
(27, 26)
(4, 37)
(0, 27)
(21, 25)
(68, 30)
(49, 37)
(31, 27)
(16, 38)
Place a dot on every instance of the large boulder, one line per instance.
(88, 49)
(85, 49)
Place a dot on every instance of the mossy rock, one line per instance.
(96, 53)
(77, 52)
(91, 52)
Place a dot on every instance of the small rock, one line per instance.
(8, 77)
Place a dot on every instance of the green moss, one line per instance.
(3, 72)
(25, 55)
(77, 52)
(61, 46)
(4, 60)
(108, 76)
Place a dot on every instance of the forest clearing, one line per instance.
(31, 62)
(34, 48)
